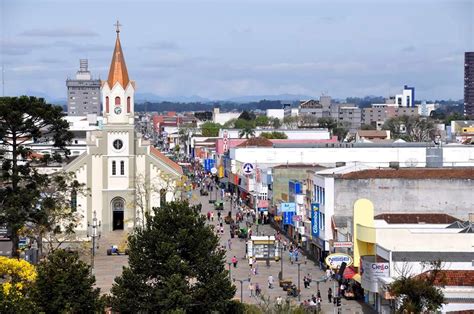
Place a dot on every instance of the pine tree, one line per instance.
(64, 284)
(175, 263)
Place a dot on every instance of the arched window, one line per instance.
(118, 204)
(107, 104)
(122, 167)
(114, 168)
(128, 104)
(117, 101)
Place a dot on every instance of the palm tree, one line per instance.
(247, 132)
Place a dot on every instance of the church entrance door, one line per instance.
(118, 205)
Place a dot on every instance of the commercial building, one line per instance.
(404, 190)
(469, 83)
(83, 93)
(347, 115)
(223, 117)
(392, 246)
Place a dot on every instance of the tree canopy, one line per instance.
(419, 294)
(210, 129)
(274, 135)
(175, 263)
(246, 115)
(24, 119)
(64, 284)
(411, 129)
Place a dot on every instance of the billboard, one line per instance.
(315, 220)
(370, 272)
(335, 260)
(288, 218)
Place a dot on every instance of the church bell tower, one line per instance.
(118, 91)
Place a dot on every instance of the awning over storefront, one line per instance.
(349, 273)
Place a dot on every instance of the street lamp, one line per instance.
(241, 287)
(281, 259)
(299, 287)
(268, 251)
(94, 233)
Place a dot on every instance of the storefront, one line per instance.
(371, 271)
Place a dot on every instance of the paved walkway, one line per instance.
(108, 267)
(290, 271)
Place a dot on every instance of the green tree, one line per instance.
(368, 127)
(276, 123)
(65, 285)
(410, 129)
(328, 123)
(308, 120)
(247, 132)
(175, 263)
(242, 124)
(274, 135)
(210, 129)
(23, 119)
(420, 294)
(249, 116)
(290, 122)
(262, 121)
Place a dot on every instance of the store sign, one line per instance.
(288, 207)
(335, 260)
(315, 220)
(342, 244)
(296, 218)
(288, 218)
(370, 272)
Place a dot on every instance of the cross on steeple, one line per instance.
(117, 27)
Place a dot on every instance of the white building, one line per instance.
(406, 98)
(312, 134)
(276, 113)
(223, 117)
(425, 109)
(117, 160)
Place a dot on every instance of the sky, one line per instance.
(225, 49)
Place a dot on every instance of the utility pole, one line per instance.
(299, 287)
(281, 260)
(94, 234)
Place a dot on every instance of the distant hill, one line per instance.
(282, 97)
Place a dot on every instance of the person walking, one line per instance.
(251, 287)
(270, 282)
(330, 295)
(250, 262)
(257, 289)
(234, 261)
(329, 274)
(318, 295)
(229, 244)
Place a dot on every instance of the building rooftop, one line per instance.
(417, 218)
(463, 278)
(372, 133)
(155, 152)
(433, 256)
(256, 142)
(412, 173)
(285, 166)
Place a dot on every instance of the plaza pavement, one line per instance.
(108, 267)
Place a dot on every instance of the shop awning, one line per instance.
(349, 272)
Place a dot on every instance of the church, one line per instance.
(124, 174)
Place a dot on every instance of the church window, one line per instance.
(74, 200)
(128, 104)
(107, 104)
(117, 101)
(114, 168)
(122, 167)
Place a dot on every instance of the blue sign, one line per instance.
(288, 218)
(315, 220)
(288, 207)
(209, 164)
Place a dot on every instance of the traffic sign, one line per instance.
(247, 168)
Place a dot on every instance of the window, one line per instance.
(114, 168)
(117, 101)
(321, 221)
(107, 104)
(73, 200)
(128, 104)
(122, 167)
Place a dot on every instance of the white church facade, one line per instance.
(124, 174)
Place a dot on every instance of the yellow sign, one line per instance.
(221, 171)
